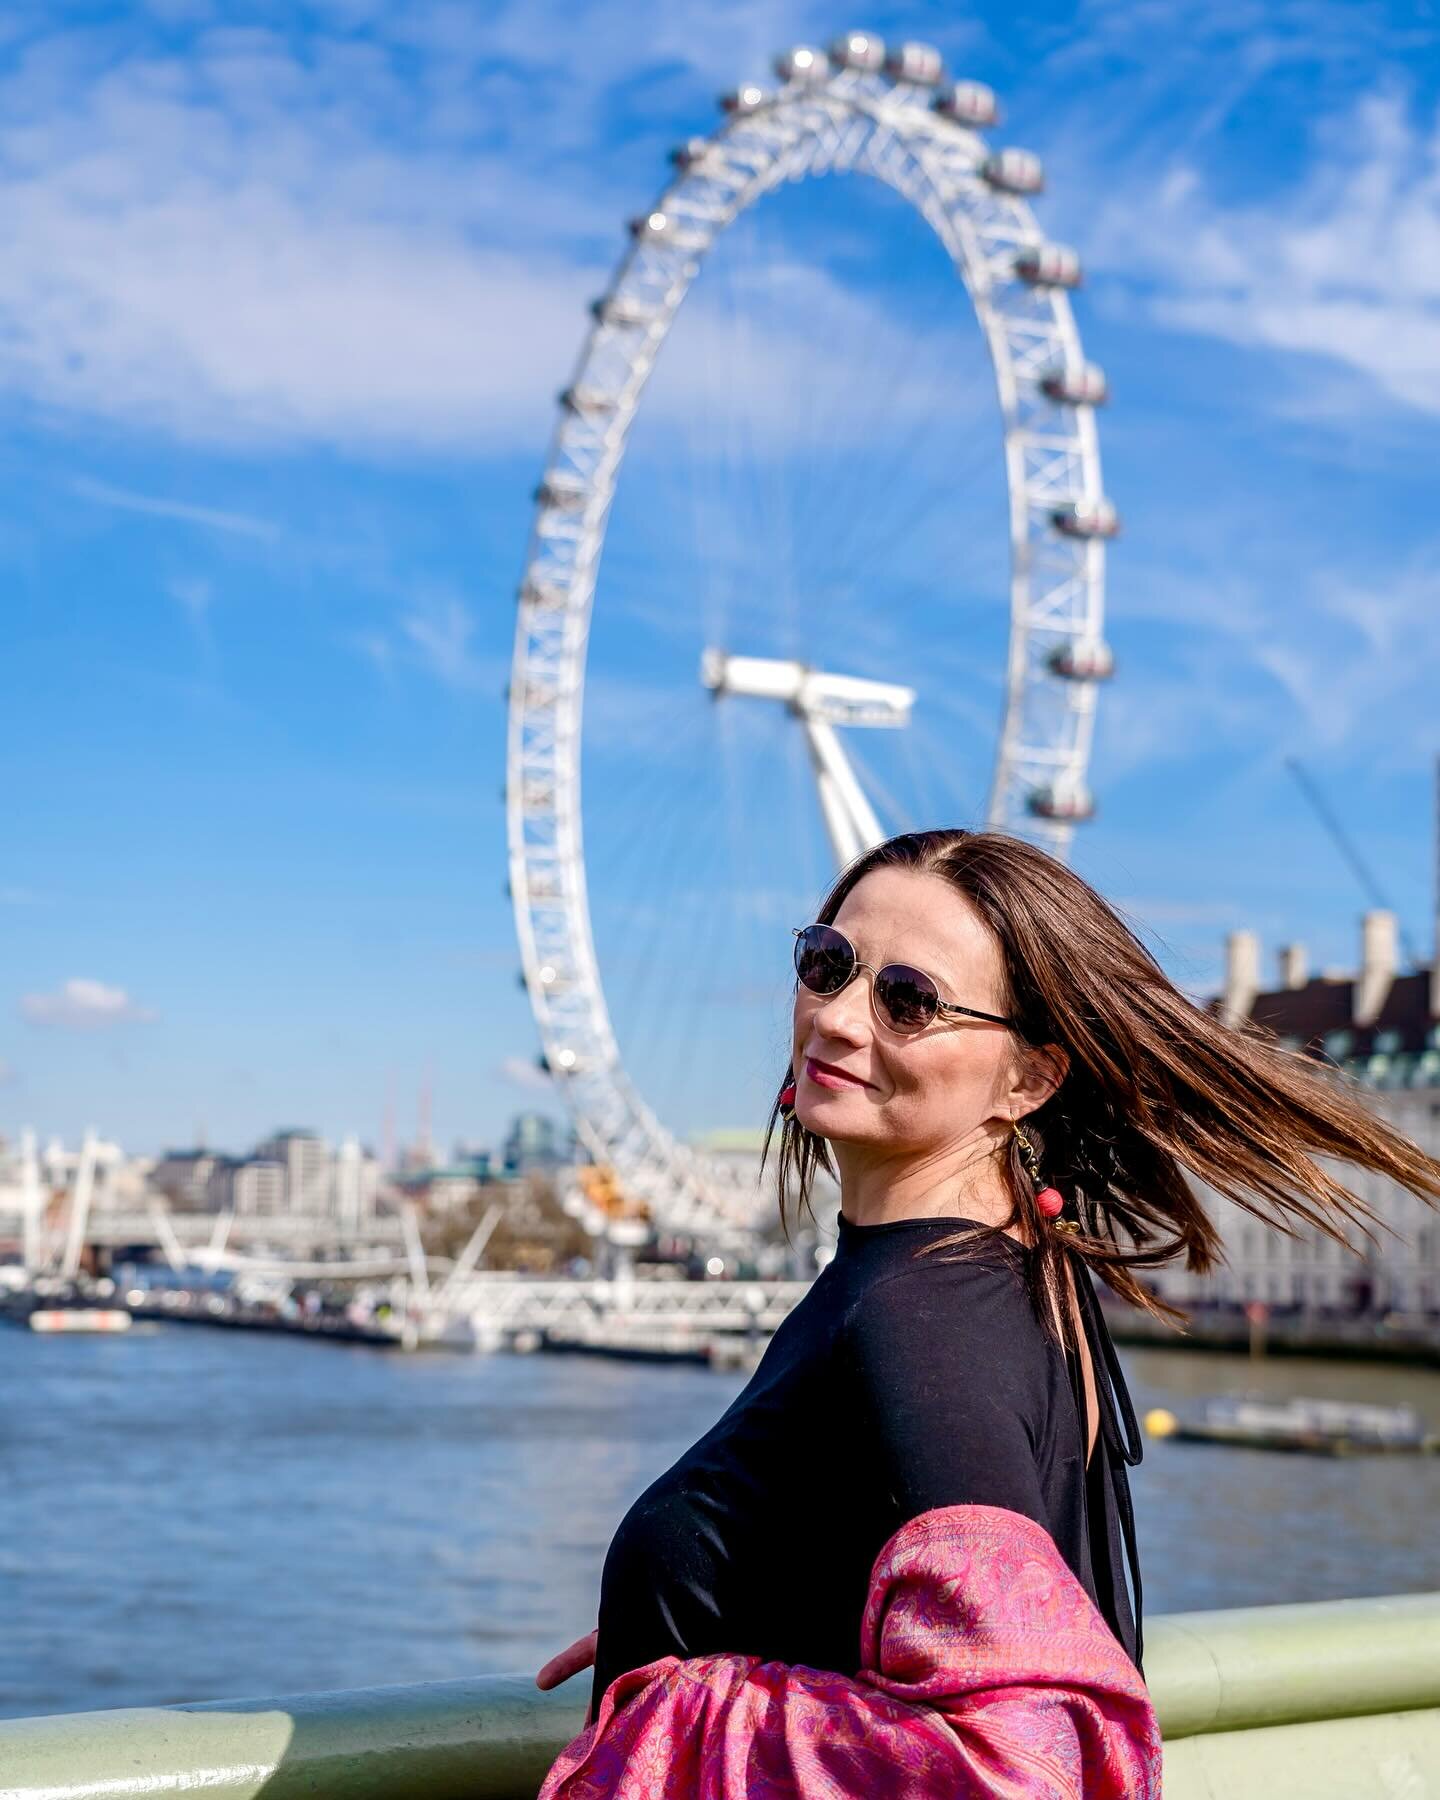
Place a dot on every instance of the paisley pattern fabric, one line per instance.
(986, 1673)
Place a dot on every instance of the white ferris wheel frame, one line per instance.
(845, 120)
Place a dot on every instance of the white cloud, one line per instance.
(1344, 265)
(81, 1005)
(379, 243)
(239, 246)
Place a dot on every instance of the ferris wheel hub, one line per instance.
(808, 693)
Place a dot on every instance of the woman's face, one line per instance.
(929, 1088)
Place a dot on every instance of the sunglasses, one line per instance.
(906, 999)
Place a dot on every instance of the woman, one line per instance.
(1010, 1092)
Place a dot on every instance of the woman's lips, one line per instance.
(823, 1077)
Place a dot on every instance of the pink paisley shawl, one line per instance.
(986, 1672)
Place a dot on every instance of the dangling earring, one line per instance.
(787, 1101)
(1049, 1200)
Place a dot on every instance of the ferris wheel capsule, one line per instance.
(749, 97)
(587, 402)
(1071, 801)
(544, 596)
(1014, 171)
(802, 63)
(968, 103)
(861, 51)
(1082, 659)
(659, 227)
(562, 493)
(1082, 384)
(1049, 266)
(621, 309)
(920, 64)
(1086, 519)
(694, 150)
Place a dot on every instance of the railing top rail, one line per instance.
(493, 1737)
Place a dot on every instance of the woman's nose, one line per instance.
(846, 1014)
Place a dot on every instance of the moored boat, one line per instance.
(79, 1318)
(1320, 1427)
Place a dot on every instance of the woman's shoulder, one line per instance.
(976, 1297)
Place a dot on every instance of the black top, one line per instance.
(897, 1384)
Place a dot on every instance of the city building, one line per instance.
(184, 1177)
(305, 1158)
(258, 1187)
(1376, 1025)
(446, 1188)
(533, 1142)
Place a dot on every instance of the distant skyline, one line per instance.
(287, 295)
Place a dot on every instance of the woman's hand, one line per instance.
(580, 1655)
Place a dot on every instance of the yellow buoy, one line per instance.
(1161, 1423)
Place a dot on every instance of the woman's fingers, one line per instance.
(580, 1655)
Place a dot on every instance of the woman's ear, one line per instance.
(1041, 1069)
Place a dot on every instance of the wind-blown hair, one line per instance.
(1157, 1087)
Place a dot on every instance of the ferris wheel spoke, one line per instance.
(856, 483)
(859, 549)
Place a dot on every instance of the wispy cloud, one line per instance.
(83, 1005)
(433, 635)
(243, 244)
(377, 234)
(1342, 265)
(193, 594)
(438, 631)
(157, 506)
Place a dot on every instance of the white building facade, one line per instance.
(1377, 1027)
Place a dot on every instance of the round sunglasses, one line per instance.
(906, 999)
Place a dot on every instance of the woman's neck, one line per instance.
(961, 1181)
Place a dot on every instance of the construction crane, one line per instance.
(1356, 863)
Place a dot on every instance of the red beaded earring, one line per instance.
(1049, 1200)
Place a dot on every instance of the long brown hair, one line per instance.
(1156, 1087)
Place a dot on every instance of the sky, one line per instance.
(286, 296)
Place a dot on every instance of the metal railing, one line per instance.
(1330, 1701)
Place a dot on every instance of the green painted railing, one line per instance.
(1329, 1702)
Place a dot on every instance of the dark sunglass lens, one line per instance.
(908, 998)
(823, 959)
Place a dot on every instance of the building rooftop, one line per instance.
(1379, 1025)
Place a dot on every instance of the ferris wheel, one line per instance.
(893, 115)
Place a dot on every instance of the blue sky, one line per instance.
(286, 296)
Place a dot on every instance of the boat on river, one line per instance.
(1319, 1427)
(79, 1319)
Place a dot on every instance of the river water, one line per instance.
(194, 1514)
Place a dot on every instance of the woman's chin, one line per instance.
(825, 1108)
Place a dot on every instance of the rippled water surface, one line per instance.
(191, 1514)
